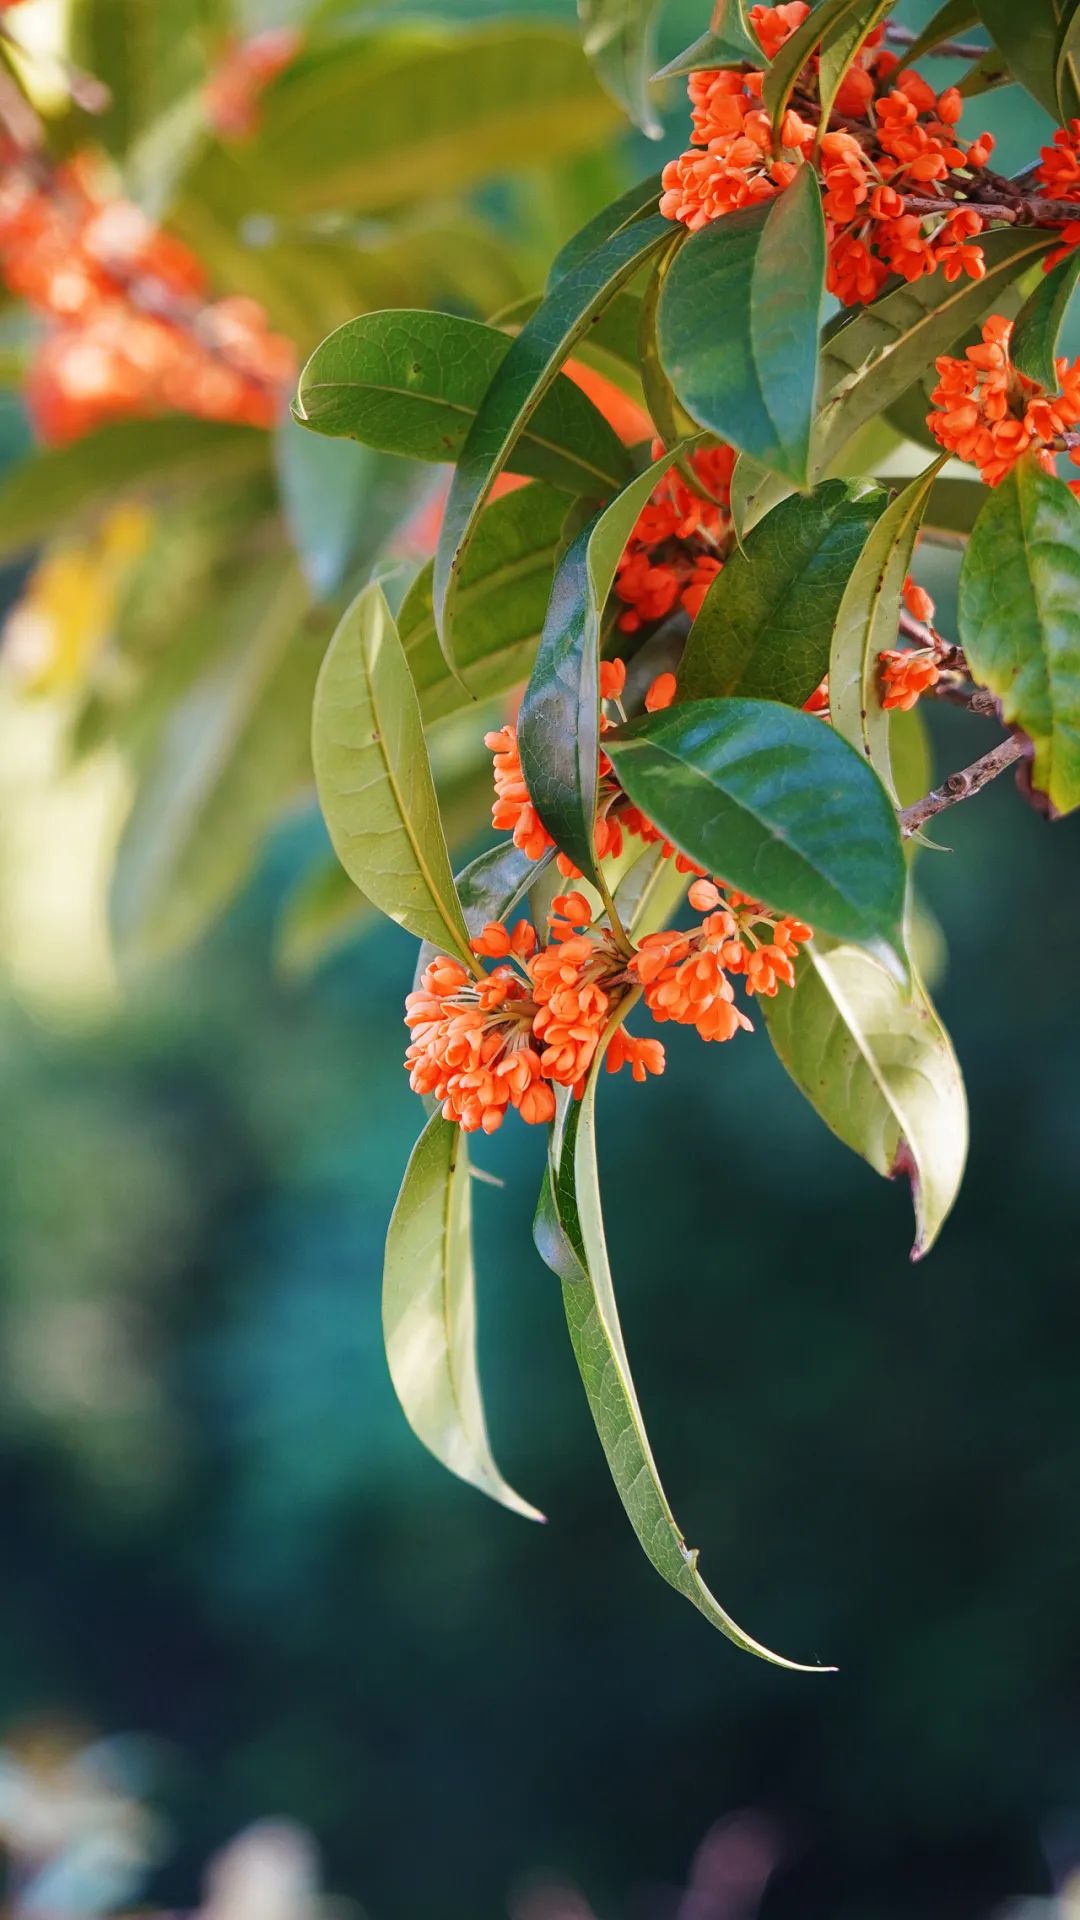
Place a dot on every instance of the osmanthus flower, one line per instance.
(907, 672)
(679, 542)
(894, 137)
(687, 976)
(232, 94)
(1059, 173)
(985, 411)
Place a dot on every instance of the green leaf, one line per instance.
(569, 1235)
(637, 203)
(955, 17)
(766, 621)
(518, 389)
(1028, 38)
(1038, 323)
(429, 1312)
(225, 759)
(867, 622)
(754, 493)
(738, 325)
(729, 42)
(489, 888)
(340, 506)
(838, 27)
(871, 358)
(559, 723)
(618, 39)
(505, 588)
(878, 1066)
(322, 913)
(991, 70)
(340, 130)
(374, 781)
(611, 344)
(777, 804)
(649, 894)
(1067, 63)
(840, 46)
(413, 382)
(661, 404)
(954, 505)
(1019, 619)
(42, 495)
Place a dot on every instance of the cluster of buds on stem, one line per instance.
(989, 413)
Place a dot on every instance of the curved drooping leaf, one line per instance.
(1019, 619)
(559, 723)
(867, 623)
(839, 28)
(766, 621)
(738, 325)
(227, 756)
(1035, 331)
(671, 422)
(618, 39)
(611, 344)
(774, 802)
(569, 1235)
(729, 41)
(518, 389)
(374, 780)
(429, 1312)
(1067, 63)
(876, 1063)
(339, 129)
(635, 204)
(413, 382)
(504, 595)
(340, 505)
(869, 360)
(54, 486)
(1028, 38)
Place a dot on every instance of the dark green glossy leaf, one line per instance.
(490, 888)
(1035, 331)
(729, 41)
(840, 46)
(413, 382)
(1028, 38)
(775, 802)
(991, 70)
(867, 622)
(635, 204)
(738, 325)
(876, 1063)
(838, 27)
(1067, 62)
(661, 402)
(374, 780)
(518, 390)
(429, 1312)
(611, 344)
(340, 506)
(569, 1234)
(766, 622)
(559, 724)
(1019, 619)
(870, 359)
(504, 595)
(619, 40)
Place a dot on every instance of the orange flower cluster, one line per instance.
(484, 1043)
(988, 413)
(896, 139)
(907, 672)
(678, 544)
(233, 92)
(132, 333)
(1059, 173)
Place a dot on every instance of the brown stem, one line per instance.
(962, 785)
(959, 49)
(961, 693)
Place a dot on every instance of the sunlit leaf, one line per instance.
(429, 1312)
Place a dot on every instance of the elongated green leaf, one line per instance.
(838, 27)
(559, 724)
(224, 762)
(840, 46)
(611, 344)
(1028, 37)
(661, 404)
(635, 204)
(517, 390)
(868, 620)
(868, 361)
(504, 595)
(776, 803)
(754, 493)
(46, 492)
(339, 130)
(1019, 619)
(876, 1063)
(766, 621)
(729, 41)
(738, 325)
(489, 888)
(619, 40)
(990, 70)
(429, 1313)
(954, 505)
(374, 781)
(569, 1234)
(1038, 323)
(340, 506)
(1067, 62)
(955, 17)
(412, 383)
(649, 894)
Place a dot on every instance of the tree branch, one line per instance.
(962, 785)
(959, 49)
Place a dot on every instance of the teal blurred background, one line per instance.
(221, 1535)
